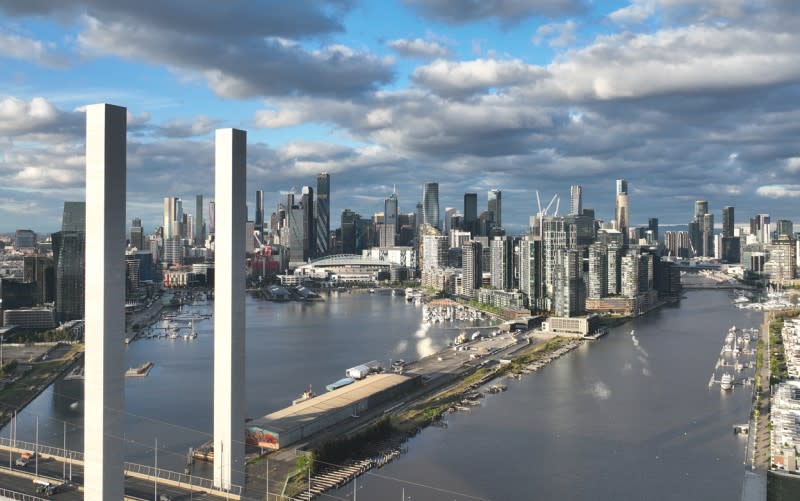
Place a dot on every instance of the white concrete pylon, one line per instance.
(229, 315)
(105, 301)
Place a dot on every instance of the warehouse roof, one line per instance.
(307, 411)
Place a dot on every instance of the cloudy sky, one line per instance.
(686, 99)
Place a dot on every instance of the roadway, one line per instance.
(52, 469)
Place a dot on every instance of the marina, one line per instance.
(736, 359)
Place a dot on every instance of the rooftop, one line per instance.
(304, 412)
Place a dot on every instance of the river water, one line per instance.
(612, 420)
(289, 346)
(626, 417)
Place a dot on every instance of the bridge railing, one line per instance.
(141, 469)
(19, 496)
(41, 449)
(182, 478)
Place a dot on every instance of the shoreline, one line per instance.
(61, 367)
(382, 438)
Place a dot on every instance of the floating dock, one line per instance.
(141, 371)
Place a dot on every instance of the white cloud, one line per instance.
(467, 77)
(792, 164)
(689, 59)
(779, 191)
(556, 34)
(419, 48)
(637, 12)
(31, 50)
(17, 115)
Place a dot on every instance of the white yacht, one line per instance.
(726, 383)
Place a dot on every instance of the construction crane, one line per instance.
(542, 213)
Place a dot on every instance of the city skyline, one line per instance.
(516, 98)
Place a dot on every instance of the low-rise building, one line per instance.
(30, 318)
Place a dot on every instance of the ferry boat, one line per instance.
(726, 383)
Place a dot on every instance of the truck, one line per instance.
(363, 370)
(357, 372)
(45, 487)
(24, 458)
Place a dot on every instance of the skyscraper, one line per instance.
(727, 221)
(708, 235)
(570, 295)
(418, 221)
(390, 217)
(621, 215)
(199, 226)
(598, 271)
(211, 218)
(309, 226)
(71, 263)
(576, 200)
(784, 227)
(259, 216)
(323, 209)
(502, 250)
(471, 212)
(700, 209)
(471, 263)
(430, 205)
(495, 206)
(137, 234)
(652, 225)
(449, 213)
(173, 218)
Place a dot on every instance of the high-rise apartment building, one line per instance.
(211, 218)
(575, 200)
(258, 222)
(495, 206)
(40, 270)
(614, 266)
(531, 269)
(199, 224)
(700, 209)
(71, 262)
(570, 295)
(323, 208)
(727, 221)
(434, 251)
(24, 239)
(449, 214)
(471, 266)
(502, 250)
(621, 211)
(598, 271)
(652, 227)
(137, 234)
(784, 227)
(430, 205)
(471, 213)
(173, 218)
(390, 226)
(309, 226)
(708, 235)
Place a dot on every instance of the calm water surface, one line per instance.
(289, 346)
(611, 420)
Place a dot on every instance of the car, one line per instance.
(45, 487)
(164, 497)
